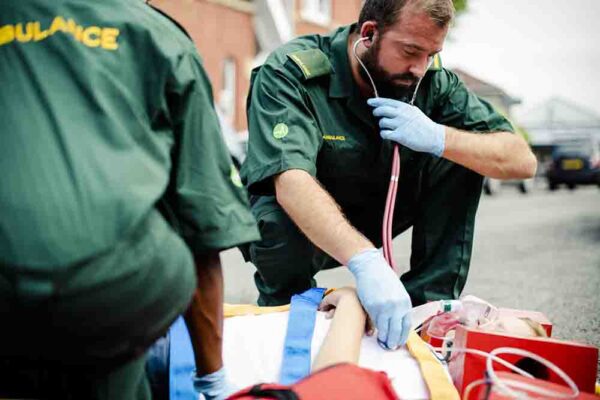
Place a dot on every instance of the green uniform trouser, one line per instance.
(126, 382)
(443, 204)
(81, 331)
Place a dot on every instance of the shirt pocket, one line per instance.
(342, 157)
(344, 167)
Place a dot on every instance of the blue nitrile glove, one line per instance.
(383, 296)
(214, 386)
(408, 126)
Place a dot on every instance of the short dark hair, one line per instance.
(387, 12)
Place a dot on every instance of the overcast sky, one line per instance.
(534, 49)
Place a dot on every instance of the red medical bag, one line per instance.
(481, 391)
(578, 361)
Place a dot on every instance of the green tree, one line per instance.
(460, 5)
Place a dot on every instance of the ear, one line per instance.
(369, 30)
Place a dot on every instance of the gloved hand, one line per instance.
(408, 126)
(383, 296)
(214, 386)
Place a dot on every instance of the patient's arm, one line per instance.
(342, 343)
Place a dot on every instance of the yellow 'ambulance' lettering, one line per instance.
(109, 38)
(38, 34)
(91, 36)
(7, 34)
(79, 33)
(334, 137)
(59, 24)
(26, 36)
(75, 30)
(71, 27)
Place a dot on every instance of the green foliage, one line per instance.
(460, 5)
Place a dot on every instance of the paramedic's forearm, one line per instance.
(500, 155)
(318, 215)
(204, 317)
(342, 343)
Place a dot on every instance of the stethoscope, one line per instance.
(390, 203)
(388, 216)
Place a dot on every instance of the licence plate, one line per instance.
(572, 165)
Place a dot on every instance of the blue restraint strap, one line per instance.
(301, 324)
(182, 363)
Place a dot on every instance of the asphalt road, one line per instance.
(539, 251)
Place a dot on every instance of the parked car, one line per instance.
(574, 162)
(493, 186)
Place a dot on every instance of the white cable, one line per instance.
(505, 384)
(485, 354)
(473, 385)
(414, 96)
(363, 65)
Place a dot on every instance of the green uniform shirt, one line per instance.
(305, 112)
(106, 112)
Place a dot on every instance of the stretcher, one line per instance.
(254, 339)
(253, 346)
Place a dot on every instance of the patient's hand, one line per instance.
(333, 299)
(345, 300)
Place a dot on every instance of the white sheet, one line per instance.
(253, 347)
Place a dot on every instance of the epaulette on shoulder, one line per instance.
(312, 62)
(436, 65)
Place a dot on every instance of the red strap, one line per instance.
(267, 392)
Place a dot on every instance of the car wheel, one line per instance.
(526, 186)
(492, 186)
(486, 189)
(571, 186)
(552, 186)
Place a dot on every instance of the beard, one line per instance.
(386, 83)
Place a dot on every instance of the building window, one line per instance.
(227, 99)
(317, 11)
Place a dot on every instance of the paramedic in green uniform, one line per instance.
(318, 169)
(108, 132)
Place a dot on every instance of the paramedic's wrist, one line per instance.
(355, 247)
(214, 386)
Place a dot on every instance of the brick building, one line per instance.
(235, 35)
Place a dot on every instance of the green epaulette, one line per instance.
(436, 65)
(312, 62)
